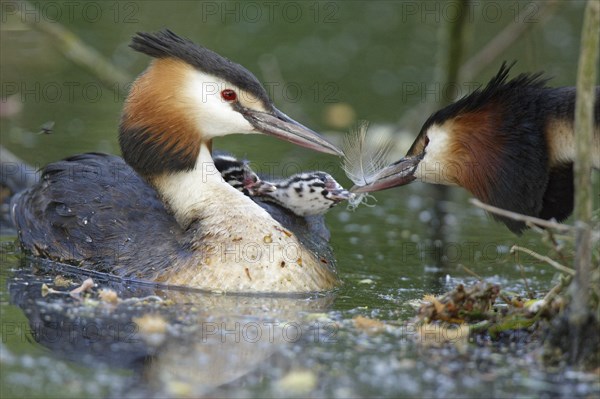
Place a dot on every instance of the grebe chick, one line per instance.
(163, 212)
(238, 174)
(305, 194)
(511, 144)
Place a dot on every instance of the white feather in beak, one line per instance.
(364, 159)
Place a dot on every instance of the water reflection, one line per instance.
(161, 342)
(177, 342)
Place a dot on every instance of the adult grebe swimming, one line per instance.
(164, 213)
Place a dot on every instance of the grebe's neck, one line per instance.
(237, 245)
(201, 194)
(560, 139)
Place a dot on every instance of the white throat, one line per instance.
(201, 193)
(434, 167)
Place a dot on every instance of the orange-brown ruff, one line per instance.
(154, 100)
(164, 213)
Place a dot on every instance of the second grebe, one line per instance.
(163, 213)
(511, 144)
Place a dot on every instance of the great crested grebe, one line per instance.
(510, 144)
(163, 212)
(305, 194)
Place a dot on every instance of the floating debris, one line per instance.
(438, 335)
(368, 325)
(152, 327)
(460, 305)
(474, 308)
(87, 285)
(109, 296)
(151, 323)
(298, 382)
(47, 290)
(365, 281)
(61, 281)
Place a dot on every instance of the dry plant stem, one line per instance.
(584, 136)
(529, 292)
(449, 56)
(557, 249)
(451, 37)
(552, 238)
(523, 218)
(506, 38)
(543, 258)
(557, 289)
(472, 273)
(494, 49)
(73, 48)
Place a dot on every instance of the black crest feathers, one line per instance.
(168, 44)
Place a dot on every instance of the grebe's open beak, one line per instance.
(397, 174)
(282, 126)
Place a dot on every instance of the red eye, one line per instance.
(228, 95)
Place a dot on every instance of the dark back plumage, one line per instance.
(144, 234)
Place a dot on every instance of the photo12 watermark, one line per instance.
(66, 12)
(205, 332)
(485, 11)
(75, 92)
(290, 12)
